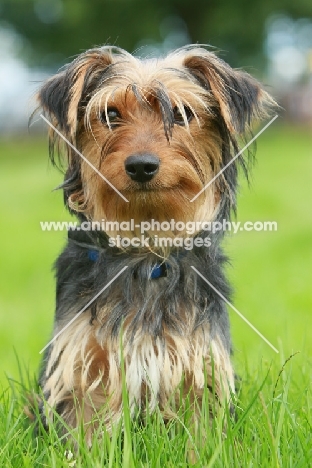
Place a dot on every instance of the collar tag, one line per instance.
(159, 270)
(93, 255)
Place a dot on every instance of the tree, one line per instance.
(59, 29)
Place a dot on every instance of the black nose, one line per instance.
(142, 167)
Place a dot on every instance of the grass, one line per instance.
(270, 275)
(272, 428)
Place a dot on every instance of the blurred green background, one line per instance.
(271, 271)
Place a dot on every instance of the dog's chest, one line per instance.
(152, 368)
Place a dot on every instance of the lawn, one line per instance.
(270, 273)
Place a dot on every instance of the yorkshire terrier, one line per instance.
(142, 138)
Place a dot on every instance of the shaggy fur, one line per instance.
(189, 110)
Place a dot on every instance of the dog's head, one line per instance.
(157, 129)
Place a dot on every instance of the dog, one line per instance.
(143, 139)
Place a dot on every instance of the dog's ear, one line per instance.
(63, 95)
(63, 99)
(240, 97)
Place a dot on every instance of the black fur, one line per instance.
(156, 301)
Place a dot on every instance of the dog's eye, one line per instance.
(111, 116)
(179, 118)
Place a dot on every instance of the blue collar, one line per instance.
(158, 269)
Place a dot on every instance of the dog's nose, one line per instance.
(142, 167)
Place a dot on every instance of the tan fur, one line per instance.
(189, 149)
(187, 162)
(89, 377)
(176, 183)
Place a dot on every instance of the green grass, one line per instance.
(272, 428)
(270, 274)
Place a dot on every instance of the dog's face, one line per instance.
(158, 130)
